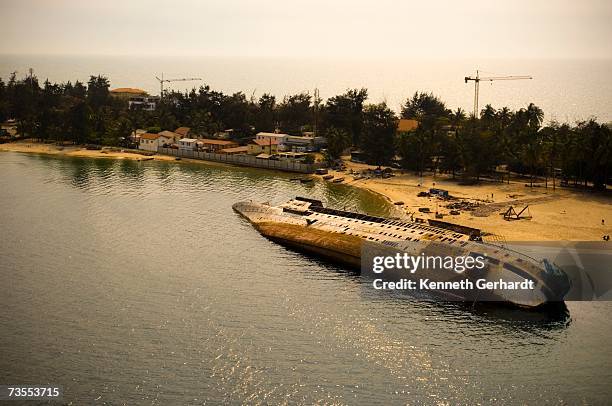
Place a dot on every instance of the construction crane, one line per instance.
(162, 80)
(477, 79)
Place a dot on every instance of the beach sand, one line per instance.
(563, 214)
(79, 151)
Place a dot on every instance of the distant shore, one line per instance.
(81, 151)
(564, 214)
(78, 151)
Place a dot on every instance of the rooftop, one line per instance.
(265, 143)
(168, 134)
(149, 136)
(182, 131)
(216, 142)
(131, 90)
(405, 125)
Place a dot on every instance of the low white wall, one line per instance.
(243, 160)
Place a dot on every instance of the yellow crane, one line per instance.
(162, 81)
(477, 79)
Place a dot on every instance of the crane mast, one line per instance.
(477, 79)
(162, 81)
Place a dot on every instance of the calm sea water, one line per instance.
(136, 283)
(567, 90)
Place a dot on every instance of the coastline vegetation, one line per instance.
(444, 141)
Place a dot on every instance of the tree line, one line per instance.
(444, 141)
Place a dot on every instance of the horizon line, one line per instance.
(301, 57)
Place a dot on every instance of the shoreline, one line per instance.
(78, 151)
(553, 213)
(81, 152)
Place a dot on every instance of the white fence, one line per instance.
(242, 160)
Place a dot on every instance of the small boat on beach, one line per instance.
(328, 177)
(338, 180)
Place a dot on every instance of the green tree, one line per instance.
(117, 132)
(4, 102)
(422, 105)
(236, 112)
(414, 150)
(450, 144)
(294, 113)
(379, 126)
(97, 92)
(338, 140)
(23, 97)
(49, 112)
(79, 122)
(265, 115)
(433, 118)
(345, 112)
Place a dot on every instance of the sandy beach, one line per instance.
(80, 151)
(563, 214)
(52, 149)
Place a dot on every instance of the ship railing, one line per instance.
(347, 214)
(257, 210)
(517, 253)
(495, 239)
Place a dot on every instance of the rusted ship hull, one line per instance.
(305, 225)
(343, 249)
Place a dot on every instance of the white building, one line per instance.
(147, 103)
(296, 143)
(150, 142)
(304, 143)
(276, 138)
(299, 143)
(188, 144)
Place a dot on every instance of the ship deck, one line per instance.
(369, 227)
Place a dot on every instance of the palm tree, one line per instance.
(504, 116)
(602, 158)
(447, 143)
(535, 116)
(503, 119)
(457, 117)
(488, 116)
(533, 156)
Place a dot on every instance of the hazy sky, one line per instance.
(344, 28)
